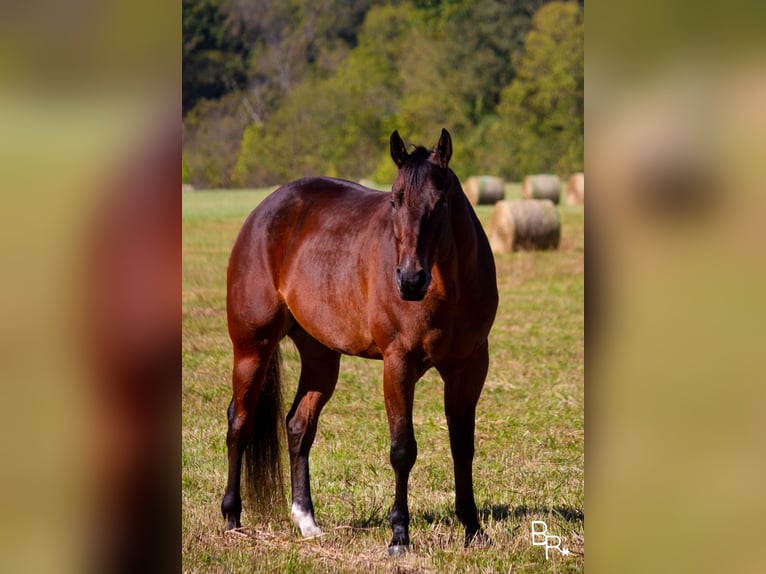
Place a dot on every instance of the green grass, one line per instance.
(529, 461)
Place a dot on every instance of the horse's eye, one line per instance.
(393, 204)
(441, 204)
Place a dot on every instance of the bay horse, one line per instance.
(407, 277)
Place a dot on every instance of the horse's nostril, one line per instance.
(411, 282)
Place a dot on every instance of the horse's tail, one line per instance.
(262, 462)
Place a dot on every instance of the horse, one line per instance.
(406, 277)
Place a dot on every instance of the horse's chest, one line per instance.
(434, 335)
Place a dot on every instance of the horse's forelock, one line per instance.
(418, 168)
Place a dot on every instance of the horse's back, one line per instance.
(289, 212)
(308, 248)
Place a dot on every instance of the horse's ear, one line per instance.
(398, 151)
(444, 149)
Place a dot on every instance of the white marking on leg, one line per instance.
(305, 521)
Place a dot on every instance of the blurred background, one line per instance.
(90, 156)
(676, 124)
(92, 102)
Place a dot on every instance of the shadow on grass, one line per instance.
(373, 518)
(497, 512)
(366, 523)
(500, 512)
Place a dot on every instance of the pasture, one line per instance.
(529, 461)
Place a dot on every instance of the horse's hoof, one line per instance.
(304, 520)
(398, 550)
(311, 531)
(232, 522)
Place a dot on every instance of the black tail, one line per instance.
(263, 479)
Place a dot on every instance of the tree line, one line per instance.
(278, 89)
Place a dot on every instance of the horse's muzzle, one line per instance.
(412, 285)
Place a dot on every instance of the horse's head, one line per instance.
(420, 202)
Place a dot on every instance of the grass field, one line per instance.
(529, 462)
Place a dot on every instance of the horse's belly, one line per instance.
(338, 322)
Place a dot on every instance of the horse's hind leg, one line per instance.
(231, 507)
(248, 377)
(462, 387)
(319, 374)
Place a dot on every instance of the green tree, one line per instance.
(333, 125)
(325, 83)
(292, 41)
(481, 36)
(458, 58)
(211, 135)
(416, 68)
(214, 57)
(540, 116)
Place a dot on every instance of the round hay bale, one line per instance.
(484, 189)
(524, 224)
(576, 189)
(541, 186)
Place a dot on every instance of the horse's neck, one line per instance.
(464, 233)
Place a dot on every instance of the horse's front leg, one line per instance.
(462, 386)
(399, 379)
